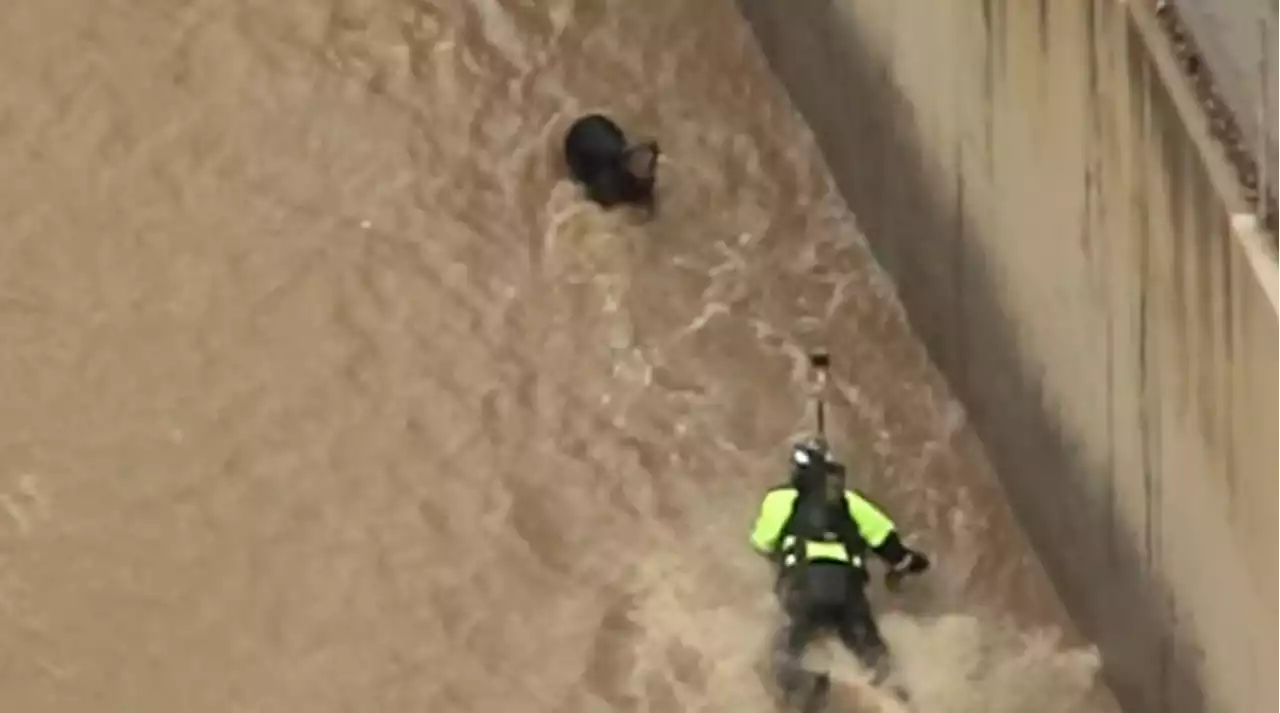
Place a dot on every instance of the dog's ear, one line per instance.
(642, 159)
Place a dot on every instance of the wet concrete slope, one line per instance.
(323, 391)
(1041, 187)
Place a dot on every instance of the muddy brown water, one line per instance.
(324, 391)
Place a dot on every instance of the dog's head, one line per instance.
(641, 160)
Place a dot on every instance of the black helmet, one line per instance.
(813, 451)
(809, 462)
(814, 469)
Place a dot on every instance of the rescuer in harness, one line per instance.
(819, 532)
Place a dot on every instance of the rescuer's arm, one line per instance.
(881, 535)
(774, 511)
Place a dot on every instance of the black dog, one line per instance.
(612, 170)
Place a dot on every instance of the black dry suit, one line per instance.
(819, 533)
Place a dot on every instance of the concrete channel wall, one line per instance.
(1039, 181)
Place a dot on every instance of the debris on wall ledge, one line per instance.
(1223, 123)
